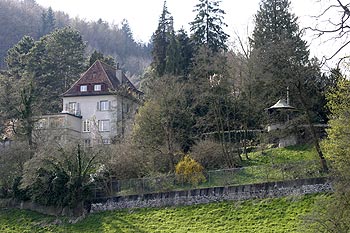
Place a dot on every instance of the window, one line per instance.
(72, 107)
(97, 87)
(87, 142)
(106, 141)
(103, 125)
(103, 105)
(83, 88)
(86, 126)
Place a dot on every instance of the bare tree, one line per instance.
(333, 23)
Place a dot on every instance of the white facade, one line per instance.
(102, 116)
(100, 106)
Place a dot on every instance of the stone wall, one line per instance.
(207, 195)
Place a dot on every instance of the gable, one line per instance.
(99, 79)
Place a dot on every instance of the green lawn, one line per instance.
(281, 155)
(267, 215)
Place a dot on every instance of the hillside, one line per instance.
(20, 18)
(268, 215)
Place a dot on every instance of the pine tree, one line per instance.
(47, 22)
(281, 60)
(185, 53)
(161, 40)
(16, 59)
(99, 56)
(277, 48)
(207, 27)
(56, 61)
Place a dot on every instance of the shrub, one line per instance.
(190, 171)
(209, 154)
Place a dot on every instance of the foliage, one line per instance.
(329, 215)
(212, 103)
(20, 18)
(17, 57)
(11, 165)
(207, 26)
(209, 154)
(280, 58)
(120, 161)
(163, 123)
(267, 215)
(337, 151)
(99, 56)
(47, 22)
(162, 37)
(56, 61)
(190, 171)
(60, 176)
(18, 106)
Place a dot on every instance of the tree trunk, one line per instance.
(312, 130)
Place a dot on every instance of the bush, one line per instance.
(60, 176)
(209, 154)
(190, 171)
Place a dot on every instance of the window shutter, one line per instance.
(66, 108)
(98, 106)
(109, 105)
(77, 110)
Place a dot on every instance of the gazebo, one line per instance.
(279, 120)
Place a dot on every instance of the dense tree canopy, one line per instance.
(207, 27)
(161, 38)
(21, 18)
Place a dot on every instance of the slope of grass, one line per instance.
(267, 215)
(281, 155)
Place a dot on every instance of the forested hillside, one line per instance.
(20, 18)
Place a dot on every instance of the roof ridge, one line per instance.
(104, 71)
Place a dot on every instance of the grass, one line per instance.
(288, 154)
(275, 164)
(260, 215)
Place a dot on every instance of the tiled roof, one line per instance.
(103, 74)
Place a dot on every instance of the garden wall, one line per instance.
(207, 195)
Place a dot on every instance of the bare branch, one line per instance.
(337, 27)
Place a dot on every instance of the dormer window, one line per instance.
(97, 87)
(83, 88)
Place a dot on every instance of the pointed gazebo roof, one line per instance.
(281, 104)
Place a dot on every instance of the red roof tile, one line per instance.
(103, 74)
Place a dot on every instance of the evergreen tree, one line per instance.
(281, 60)
(161, 40)
(185, 53)
(277, 48)
(99, 56)
(207, 27)
(16, 59)
(47, 22)
(128, 39)
(56, 61)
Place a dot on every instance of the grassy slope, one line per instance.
(281, 155)
(268, 215)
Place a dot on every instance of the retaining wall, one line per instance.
(207, 195)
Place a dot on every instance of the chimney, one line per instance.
(119, 74)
